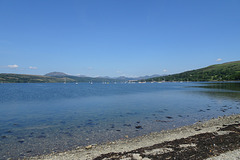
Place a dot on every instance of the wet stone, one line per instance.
(223, 110)
(162, 121)
(9, 131)
(169, 117)
(21, 141)
(68, 134)
(62, 122)
(138, 127)
(41, 136)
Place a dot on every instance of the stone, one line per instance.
(88, 147)
(137, 157)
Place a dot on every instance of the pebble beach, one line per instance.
(213, 139)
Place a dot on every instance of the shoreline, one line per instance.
(186, 140)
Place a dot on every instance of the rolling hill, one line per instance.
(220, 72)
(24, 78)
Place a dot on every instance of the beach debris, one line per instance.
(126, 136)
(199, 146)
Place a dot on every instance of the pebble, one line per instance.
(21, 141)
(138, 127)
(3, 137)
(88, 147)
(137, 157)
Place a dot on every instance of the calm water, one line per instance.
(41, 118)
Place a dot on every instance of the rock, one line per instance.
(137, 157)
(138, 127)
(21, 141)
(3, 137)
(88, 147)
(169, 117)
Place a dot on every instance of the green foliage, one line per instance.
(22, 78)
(221, 72)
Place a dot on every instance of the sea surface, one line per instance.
(38, 119)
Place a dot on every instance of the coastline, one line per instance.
(201, 140)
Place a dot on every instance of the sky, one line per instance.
(117, 37)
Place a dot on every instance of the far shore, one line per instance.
(214, 139)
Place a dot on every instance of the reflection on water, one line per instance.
(233, 86)
(222, 90)
(42, 118)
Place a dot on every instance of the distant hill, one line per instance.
(136, 78)
(56, 74)
(220, 72)
(54, 77)
(24, 78)
(80, 78)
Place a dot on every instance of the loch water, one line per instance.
(38, 119)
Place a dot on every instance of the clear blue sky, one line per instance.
(117, 37)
